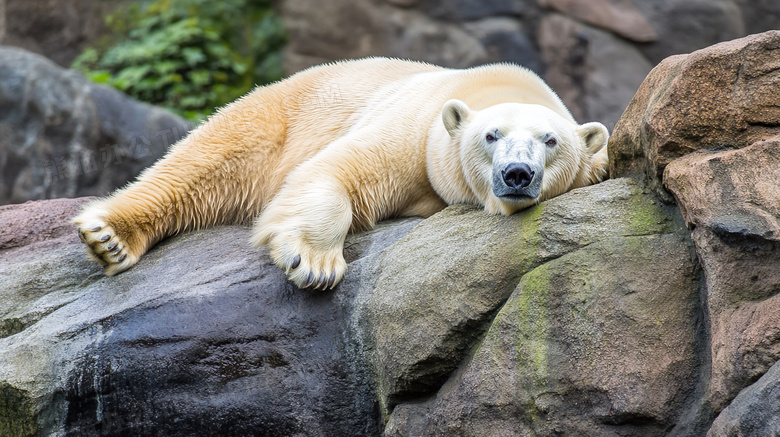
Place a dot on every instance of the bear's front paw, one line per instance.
(104, 245)
(310, 267)
(307, 265)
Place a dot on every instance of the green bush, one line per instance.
(189, 56)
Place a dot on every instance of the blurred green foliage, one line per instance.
(190, 56)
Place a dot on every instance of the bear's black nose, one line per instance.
(517, 175)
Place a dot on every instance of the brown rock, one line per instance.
(618, 16)
(57, 30)
(731, 192)
(441, 43)
(403, 3)
(731, 199)
(339, 29)
(595, 72)
(332, 30)
(724, 96)
(33, 222)
(684, 26)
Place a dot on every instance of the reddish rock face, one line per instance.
(618, 16)
(731, 199)
(724, 96)
(704, 131)
(731, 192)
(32, 222)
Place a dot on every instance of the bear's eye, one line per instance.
(552, 142)
(490, 138)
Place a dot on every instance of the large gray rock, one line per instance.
(59, 31)
(595, 72)
(208, 338)
(618, 16)
(423, 320)
(200, 338)
(583, 346)
(755, 412)
(589, 342)
(64, 136)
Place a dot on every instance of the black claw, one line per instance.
(296, 262)
(322, 281)
(122, 258)
(310, 280)
(331, 280)
(116, 252)
(111, 246)
(95, 228)
(82, 237)
(105, 238)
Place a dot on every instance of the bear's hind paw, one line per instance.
(105, 247)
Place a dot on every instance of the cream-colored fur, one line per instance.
(337, 148)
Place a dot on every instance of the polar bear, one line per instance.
(338, 147)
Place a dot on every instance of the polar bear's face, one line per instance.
(515, 155)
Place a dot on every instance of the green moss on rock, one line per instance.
(648, 216)
(16, 415)
(532, 312)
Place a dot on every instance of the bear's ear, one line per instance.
(453, 114)
(594, 136)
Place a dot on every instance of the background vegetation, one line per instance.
(190, 56)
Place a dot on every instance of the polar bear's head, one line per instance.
(514, 155)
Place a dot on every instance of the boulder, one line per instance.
(422, 321)
(731, 200)
(64, 136)
(723, 96)
(754, 412)
(469, 10)
(587, 344)
(504, 40)
(759, 15)
(200, 338)
(207, 338)
(595, 72)
(618, 16)
(703, 132)
(440, 43)
(684, 26)
(58, 31)
(579, 349)
(321, 32)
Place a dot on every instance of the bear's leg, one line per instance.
(171, 197)
(304, 229)
(212, 178)
(348, 186)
